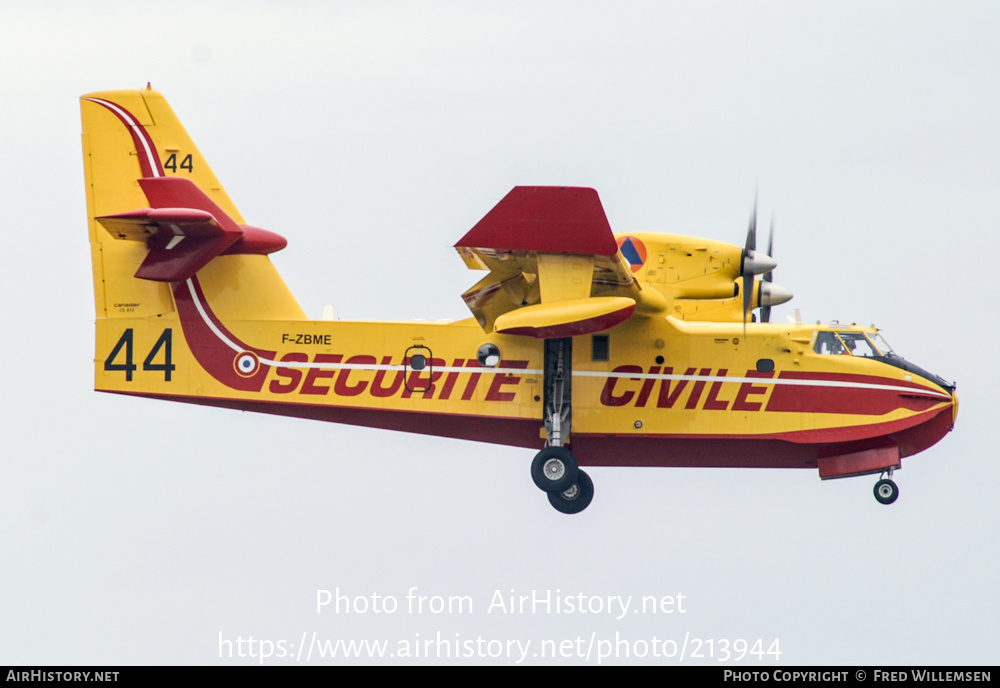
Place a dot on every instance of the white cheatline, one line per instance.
(762, 381)
(136, 127)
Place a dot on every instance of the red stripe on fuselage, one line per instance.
(913, 434)
(518, 432)
(211, 352)
(768, 451)
(824, 398)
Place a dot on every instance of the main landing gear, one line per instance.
(554, 469)
(886, 491)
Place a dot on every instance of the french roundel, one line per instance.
(634, 251)
(247, 363)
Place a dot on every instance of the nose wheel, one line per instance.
(886, 491)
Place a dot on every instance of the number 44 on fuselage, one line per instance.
(596, 349)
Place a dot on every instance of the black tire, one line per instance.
(886, 491)
(577, 498)
(554, 469)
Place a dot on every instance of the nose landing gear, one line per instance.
(886, 491)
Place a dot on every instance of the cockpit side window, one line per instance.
(828, 343)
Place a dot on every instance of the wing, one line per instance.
(555, 266)
(556, 269)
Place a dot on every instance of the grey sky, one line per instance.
(373, 136)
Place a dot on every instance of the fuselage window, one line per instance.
(488, 355)
(600, 347)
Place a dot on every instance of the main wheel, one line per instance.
(886, 491)
(576, 498)
(554, 469)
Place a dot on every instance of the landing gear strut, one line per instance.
(554, 469)
(886, 491)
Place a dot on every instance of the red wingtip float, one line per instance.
(594, 349)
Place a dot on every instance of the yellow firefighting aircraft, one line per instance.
(597, 349)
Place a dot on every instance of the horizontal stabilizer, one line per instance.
(143, 224)
(566, 318)
(545, 219)
(184, 230)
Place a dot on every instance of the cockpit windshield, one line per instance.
(858, 345)
(844, 341)
(851, 343)
(880, 344)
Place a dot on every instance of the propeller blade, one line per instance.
(747, 268)
(770, 248)
(765, 311)
(752, 229)
(747, 293)
(754, 263)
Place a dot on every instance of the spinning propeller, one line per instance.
(756, 263)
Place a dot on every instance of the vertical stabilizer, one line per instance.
(129, 139)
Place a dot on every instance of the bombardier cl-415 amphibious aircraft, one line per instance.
(595, 349)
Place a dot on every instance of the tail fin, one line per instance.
(158, 215)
